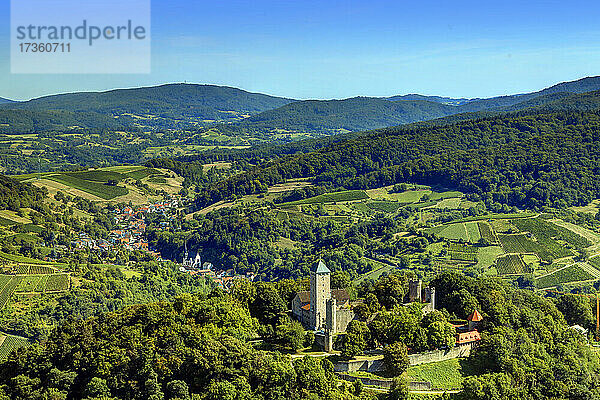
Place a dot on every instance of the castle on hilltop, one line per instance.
(329, 311)
(321, 308)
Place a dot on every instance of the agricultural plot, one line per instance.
(487, 232)
(546, 232)
(6, 222)
(348, 195)
(569, 274)
(40, 270)
(97, 175)
(22, 259)
(462, 252)
(451, 203)
(57, 282)
(28, 283)
(157, 180)
(97, 189)
(21, 269)
(511, 264)
(41, 286)
(142, 173)
(445, 195)
(363, 208)
(384, 206)
(8, 289)
(9, 344)
(445, 375)
(486, 256)
(521, 244)
(593, 237)
(467, 231)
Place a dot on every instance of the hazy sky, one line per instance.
(337, 49)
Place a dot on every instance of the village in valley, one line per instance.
(130, 235)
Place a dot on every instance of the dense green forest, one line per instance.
(15, 195)
(198, 347)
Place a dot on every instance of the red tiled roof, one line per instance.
(306, 307)
(468, 337)
(475, 317)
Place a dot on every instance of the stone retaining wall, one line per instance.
(383, 383)
(376, 364)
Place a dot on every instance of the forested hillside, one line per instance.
(528, 161)
(15, 195)
(366, 113)
(356, 114)
(172, 103)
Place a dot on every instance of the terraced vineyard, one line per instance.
(10, 284)
(104, 191)
(569, 274)
(22, 259)
(8, 343)
(57, 282)
(29, 283)
(521, 244)
(545, 232)
(511, 264)
(462, 252)
(8, 288)
(487, 232)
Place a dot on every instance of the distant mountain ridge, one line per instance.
(3, 100)
(436, 99)
(231, 110)
(171, 102)
(366, 113)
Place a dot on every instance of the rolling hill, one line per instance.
(544, 156)
(233, 112)
(367, 113)
(3, 101)
(166, 104)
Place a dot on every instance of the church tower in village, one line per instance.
(320, 295)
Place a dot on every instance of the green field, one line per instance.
(142, 173)
(468, 231)
(511, 264)
(486, 256)
(10, 343)
(97, 175)
(384, 206)
(447, 374)
(103, 191)
(445, 195)
(348, 195)
(23, 259)
(571, 273)
(157, 179)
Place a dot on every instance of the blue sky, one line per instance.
(338, 49)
